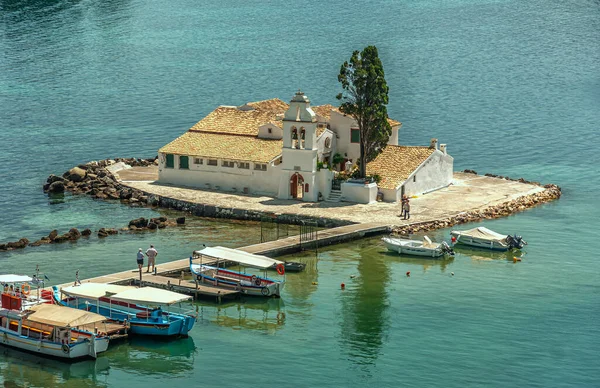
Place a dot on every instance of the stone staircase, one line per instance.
(335, 196)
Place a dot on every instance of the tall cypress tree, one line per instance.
(365, 99)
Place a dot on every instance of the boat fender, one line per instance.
(25, 289)
(265, 291)
(280, 269)
(65, 349)
(343, 286)
(407, 274)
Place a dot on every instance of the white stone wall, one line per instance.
(270, 131)
(359, 192)
(435, 173)
(228, 179)
(299, 160)
(324, 178)
(341, 125)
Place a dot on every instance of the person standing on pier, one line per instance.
(406, 208)
(140, 262)
(151, 253)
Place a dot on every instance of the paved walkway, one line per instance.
(468, 192)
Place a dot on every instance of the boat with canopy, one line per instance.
(483, 237)
(148, 310)
(245, 282)
(53, 331)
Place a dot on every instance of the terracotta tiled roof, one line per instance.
(221, 146)
(324, 110)
(230, 119)
(395, 164)
(274, 105)
(393, 123)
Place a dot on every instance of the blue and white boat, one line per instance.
(142, 307)
(246, 283)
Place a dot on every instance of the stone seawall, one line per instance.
(551, 193)
(212, 211)
(98, 180)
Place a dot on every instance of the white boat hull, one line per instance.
(479, 242)
(412, 247)
(80, 349)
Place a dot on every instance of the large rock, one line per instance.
(74, 233)
(52, 235)
(56, 187)
(180, 220)
(54, 178)
(22, 243)
(75, 174)
(139, 222)
(86, 232)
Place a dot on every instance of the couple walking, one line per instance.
(405, 208)
(151, 253)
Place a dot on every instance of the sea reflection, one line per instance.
(489, 255)
(249, 313)
(143, 355)
(364, 308)
(20, 369)
(426, 263)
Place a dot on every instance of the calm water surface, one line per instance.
(512, 87)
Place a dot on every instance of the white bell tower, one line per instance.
(299, 164)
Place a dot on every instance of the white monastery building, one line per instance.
(286, 151)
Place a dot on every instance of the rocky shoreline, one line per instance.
(98, 181)
(135, 225)
(551, 193)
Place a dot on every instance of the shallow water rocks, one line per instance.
(76, 174)
(9, 246)
(105, 232)
(139, 222)
(180, 220)
(56, 187)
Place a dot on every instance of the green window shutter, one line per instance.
(355, 136)
(170, 161)
(184, 162)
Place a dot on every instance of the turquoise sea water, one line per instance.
(513, 88)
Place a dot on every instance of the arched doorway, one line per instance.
(297, 186)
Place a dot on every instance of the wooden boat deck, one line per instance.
(270, 248)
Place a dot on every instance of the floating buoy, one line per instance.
(352, 276)
(453, 239)
(515, 259)
(452, 273)
(314, 283)
(343, 286)
(408, 273)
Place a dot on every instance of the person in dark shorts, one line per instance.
(140, 259)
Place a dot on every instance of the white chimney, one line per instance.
(434, 143)
(443, 149)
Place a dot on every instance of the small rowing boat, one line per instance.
(424, 248)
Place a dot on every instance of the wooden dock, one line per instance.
(178, 268)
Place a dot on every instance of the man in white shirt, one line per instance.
(151, 253)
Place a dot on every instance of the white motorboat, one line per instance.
(483, 237)
(425, 247)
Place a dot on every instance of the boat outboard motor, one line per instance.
(515, 241)
(447, 249)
